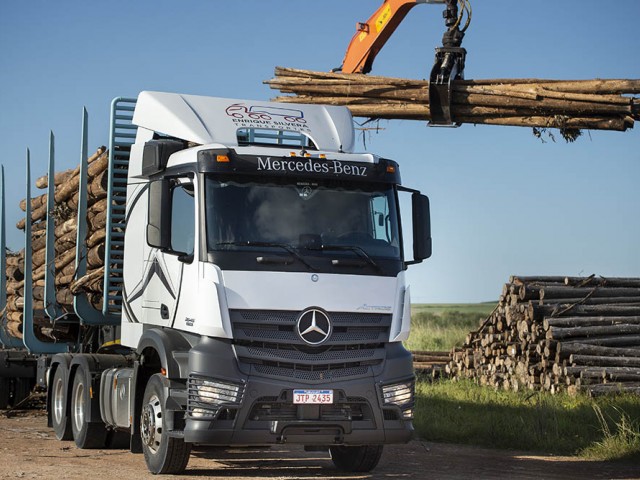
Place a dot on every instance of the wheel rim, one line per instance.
(151, 424)
(58, 400)
(78, 406)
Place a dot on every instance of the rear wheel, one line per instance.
(85, 433)
(163, 454)
(59, 418)
(362, 458)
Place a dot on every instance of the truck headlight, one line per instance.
(211, 391)
(206, 396)
(402, 395)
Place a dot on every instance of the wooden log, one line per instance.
(61, 177)
(96, 237)
(15, 272)
(64, 297)
(610, 340)
(65, 242)
(566, 349)
(603, 361)
(563, 322)
(58, 178)
(15, 329)
(570, 292)
(591, 301)
(89, 280)
(95, 256)
(558, 333)
(36, 202)
(611, 389)
(538, 312)
(529, 102)
(632, 282)
(68, 190)
(603, 372)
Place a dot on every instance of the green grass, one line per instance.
(443, 326)
(604, 428)
(462, 412)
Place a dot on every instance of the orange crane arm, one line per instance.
(371, 35)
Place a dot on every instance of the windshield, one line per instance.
(311, 217)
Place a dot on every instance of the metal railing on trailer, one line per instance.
(122, 136)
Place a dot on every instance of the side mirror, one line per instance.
(421, 227)
(159, 221)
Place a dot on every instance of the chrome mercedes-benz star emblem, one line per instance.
(314, 326)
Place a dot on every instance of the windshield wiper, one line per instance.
(356, 249)
(251, 243)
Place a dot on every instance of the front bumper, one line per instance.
(265, 413)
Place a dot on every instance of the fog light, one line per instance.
(402, 395)
(216, 392)
(207, 396)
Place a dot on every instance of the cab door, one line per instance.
(164, 268)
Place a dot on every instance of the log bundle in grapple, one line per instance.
(569, 105)
(558, 333)
(65, 221)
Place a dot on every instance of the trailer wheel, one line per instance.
(4, 392)
(60, 420)
(163, 454)
(86, 434)
(362, 458)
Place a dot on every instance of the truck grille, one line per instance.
(269, 343)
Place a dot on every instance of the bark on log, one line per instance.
(588, 321)
(58, 178)
(601, 361)
(91, 281)
(602, 281)
(548, 292)
(566, 349)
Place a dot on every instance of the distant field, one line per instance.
(439, 308)
(442, 326)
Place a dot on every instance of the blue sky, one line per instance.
(502, 201)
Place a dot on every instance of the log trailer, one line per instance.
(254, 287)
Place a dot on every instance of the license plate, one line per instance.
(312, 397)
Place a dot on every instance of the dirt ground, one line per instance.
(28, 449)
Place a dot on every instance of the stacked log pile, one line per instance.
(430, 363)
(558, 333)
(65, 221)
(568, 105)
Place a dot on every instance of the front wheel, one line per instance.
(85, 433)
(362, 458)
(162, 453)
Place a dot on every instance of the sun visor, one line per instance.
(206, 120)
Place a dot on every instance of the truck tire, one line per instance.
(59, 405)
(5, 383)
(86, 434)
(163, 454)
(362, 458)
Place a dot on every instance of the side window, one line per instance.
(380, 220)
(183, 214)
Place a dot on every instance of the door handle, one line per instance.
(164, 312)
